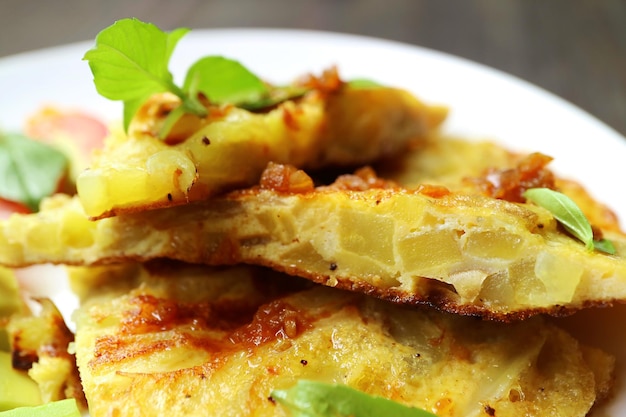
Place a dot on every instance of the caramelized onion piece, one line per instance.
(285, 179)
(510, 184)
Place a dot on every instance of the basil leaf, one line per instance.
(29, 170)
(316, 399)
(604, 245)
(131, 59)
(130, 63)
(363, 83)
(61, 408)
(224, 80)
(275, 96)
(565, 210)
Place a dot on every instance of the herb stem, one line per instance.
(193, 105)
(170, 121)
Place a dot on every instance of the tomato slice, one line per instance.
(76, 132)
(9, 207)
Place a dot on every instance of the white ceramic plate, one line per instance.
(484, 103)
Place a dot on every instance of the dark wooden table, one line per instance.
(573, 48)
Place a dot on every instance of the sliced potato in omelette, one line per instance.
(231, 147)
(189, 340)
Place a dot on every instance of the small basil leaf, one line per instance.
(60, 408)
(130, 59)
(363, 83)
(29, 170)
(276, 95)
(224, 80)
(130, 63)
(604, 245)
(565, 210)
(316, 399)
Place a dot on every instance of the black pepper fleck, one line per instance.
(333, 266)
(169, 197)
(206, 140)
(304, 362)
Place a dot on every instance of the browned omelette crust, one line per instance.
(189, 340)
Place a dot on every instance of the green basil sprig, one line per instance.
(130, 63)
(317, 399)
(567, 212)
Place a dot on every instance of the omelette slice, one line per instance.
(335, 124)
(459, 251)
(449, 243)
(188, 340)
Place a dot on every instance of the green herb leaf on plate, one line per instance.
(224, 80)
(363, 83)
(316, 399)
(276, 95)
(29, 170)
(130, 63)
(604, 245)
(567, 212)
(61, 408)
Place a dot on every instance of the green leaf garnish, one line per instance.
(130, 63)
(62, 408)
(316, 399)
(29, 170)
(363, 83)
(565, 210)
(276, 95)
(224, 80)
(604, 245)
